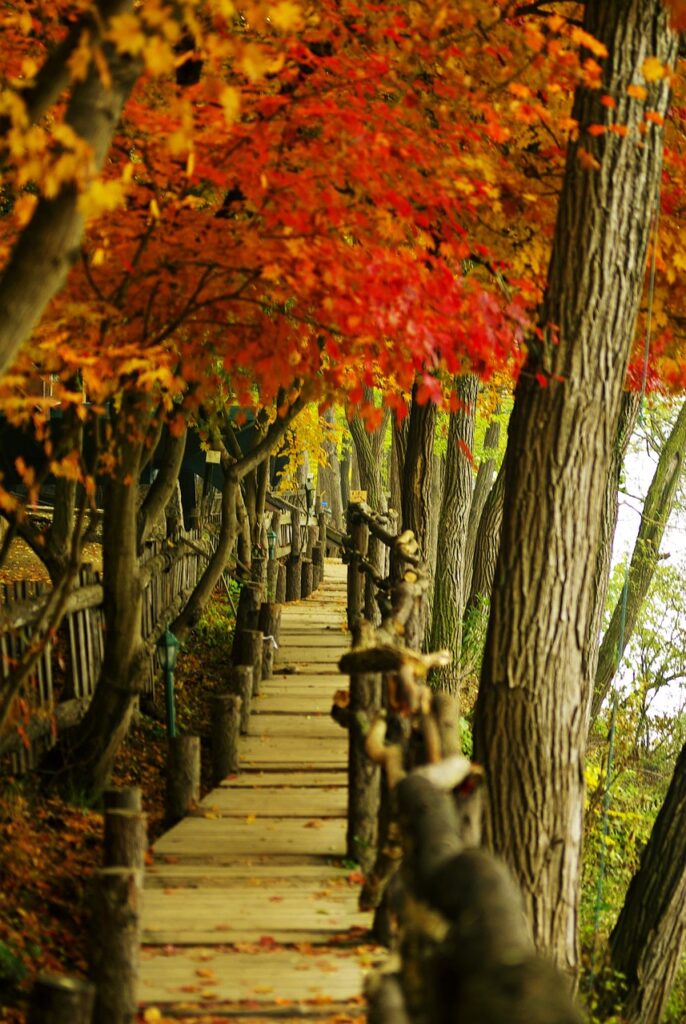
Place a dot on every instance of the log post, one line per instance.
(240, 683)
(61, 1000)
(115, 944)
(268, 648)
(376, 555)
(310, 540)
(125, 839)
(317, 566)
(272, 578)
(258, 570)
(296, 540)
(270, 619)
(364, 777)
(358, 532)
(248, 610)
(183, 776)
(307, 577)
(225, 716)
(280, 593)
(250, 653)
(293, 578)
(122, 798)
(322, 520)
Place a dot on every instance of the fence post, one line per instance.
(115, 944)
(250, 653)
(294, 560)
(123, 798)
(358, 532)
(225, 716)
(183, 776)
(240, 683)
(247, 612)
(125, 839)
(280, 592)
(61, 1000)
(364, 777)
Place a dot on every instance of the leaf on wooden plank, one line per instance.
(315, 823)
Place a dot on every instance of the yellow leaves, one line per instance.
(637, 92)
(126, 33)
(285, 15)
(255, 62)
(159, 56)
(589, 42)
(102, 197)
(230, 99)
(653, 70)
(154, 209)
(80, 58)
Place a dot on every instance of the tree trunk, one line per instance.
(648, 941)
(48, 246)
(346, 468)
(656, 511)
(398, 449)
(530, 723)
(417, 478)
(487, 544)
(446, 624)
(482, 488)
(91, 750)
(368, 447)
(329, 480)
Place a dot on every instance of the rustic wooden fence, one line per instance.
(62, 682)
(452, 910)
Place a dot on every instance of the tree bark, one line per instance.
(48, 246)
(368, 447)
(483, 484)
(487, 545)
(398, 450)
(446, 623)
(329, 478)
(656, 511)
(416, 484)
(648, 941)
(530, 727)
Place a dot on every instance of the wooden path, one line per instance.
(248, 908)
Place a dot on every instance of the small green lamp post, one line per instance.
(167, 650)
(271, 544)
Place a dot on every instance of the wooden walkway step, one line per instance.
(249, 907)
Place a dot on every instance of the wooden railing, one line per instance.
(64, 678)
(414, 820)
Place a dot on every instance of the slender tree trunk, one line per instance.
(417, 482)
(487, 544)
(656, 511)
(446, 624)
(89, 753)
(329, 482)
(648, 942)
(368, 447)
(398, 449)
(482, 486)
(530, 723)
(346, 467)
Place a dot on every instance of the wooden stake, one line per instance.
(240, 683)
(248, 611)
(270, 619)
(250, 653)
(225, 716)
(293, 578)
(306, 578)
(125, 839)
(115, 944)
(364, 777)
(123, 798)
(61, 1000)
(280, 594)
(183, 776)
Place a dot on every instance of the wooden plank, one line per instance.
(161, 875)
(255, 977)
(301, 725)
(317, 701)
(291, 750)
(277, 802)
(221, 840)
(218, 916)
(251, 779)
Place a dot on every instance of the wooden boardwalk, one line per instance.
(248, 908)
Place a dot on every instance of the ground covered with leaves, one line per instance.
(50, 845)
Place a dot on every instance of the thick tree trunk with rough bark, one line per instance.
(648, 942)
(530, 723)
(446, 624)
(656, 511)
(50, 243)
